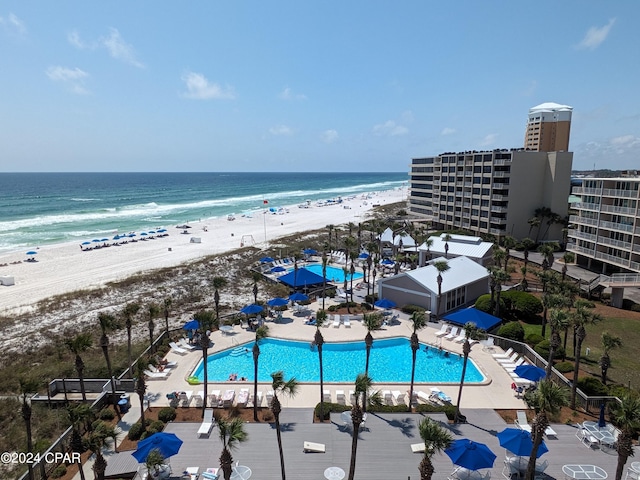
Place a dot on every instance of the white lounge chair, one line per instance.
(243, 397)
(199, 398)
(418, 447)
(269, 397)
(336, 321)
(444, 330)
(398, 396)
(210, 474)
(340, 397)
(452, 334)
(156, 375)
(259, 401)
(177, 349)
(387, 398)
(207, 423)
(185, 397)
(326, 395)
(346, 321)
(228, 397)
(214, 396)
(423, 396)
(462, 337)
(440, 395)
(511, 359)
(184, 343)
(308, 447)
(506, 354)
(154, 369)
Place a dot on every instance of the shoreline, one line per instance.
(64, 268)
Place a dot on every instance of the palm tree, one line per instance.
(352, 272)
(419, 321)
(500, 277)
(568, 257)
(436, 439)
(257, 276)
(289, 388)
(534, 222)
(508, 243)
(205, 320)
(446, 239)
(441, 266)
(78, 416)
(580, 318)
(321, 317)
(218, 283)
(231, 432)
(153, 311)
(551, 300)
(27, 386)
(547, 250)
(108, 324)
(498, 256)
(627, 417)
(96, 442)
(527, 245)
(371, 321)
(428, 243)
(167, 309)
(325, 261)
(77, 345)
(471, 331)
(362, 386)
(558, 321)
(609, 342)
(128, 313)
(330, 228)
(261, 332)
(546, 400)
(141, 390)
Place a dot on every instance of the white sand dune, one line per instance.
(65, 268)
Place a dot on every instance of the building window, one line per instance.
(455, 298)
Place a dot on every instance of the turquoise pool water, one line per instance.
(390, 362)
(333, 274)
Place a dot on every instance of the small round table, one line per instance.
(334, 473)
(241, 472)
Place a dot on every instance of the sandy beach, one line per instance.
(65, 268)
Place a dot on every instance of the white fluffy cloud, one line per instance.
(73, 78)
(199, 88)
(489, 140)
(389, 128)
(119, 49)
(13, 24)
(596, 35)
(329, 136)
(447, 131)
(280, 130)
(288, 94)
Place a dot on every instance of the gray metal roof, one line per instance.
(459, 245)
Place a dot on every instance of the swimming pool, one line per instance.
(390, 362)
(333, 274)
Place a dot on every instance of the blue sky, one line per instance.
(309, 86)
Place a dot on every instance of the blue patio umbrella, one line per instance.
(32, 252)
(470, 455)
(278, 269)
(519, 442)
(266, 260)
(298, 297)
(385, 303)
(386, 261)
(363, 255)
(601, 420)
(167, 443)
(530, 372)
(251, 309)
(309, 251)
(277, 302)
(191, 325)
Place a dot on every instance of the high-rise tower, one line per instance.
(548, 128)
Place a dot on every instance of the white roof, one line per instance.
(462, 271)
(387, 235)
(407, 240)
(551, 107)
(459, 245)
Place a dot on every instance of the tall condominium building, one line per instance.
(548, 128)
(606, 231)
(492, 192)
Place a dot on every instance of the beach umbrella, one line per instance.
(152, 231)
(530, 372)
(251, 309)
(277, 302)
(519, 442)
(266, 260)
(385, 303)
(470, 455)
(86, 243)
(104, 240)
(278, 269)
(298, 297)
(144, 233)
(96, 240)
(191, 325)
(386, 261)
(363, 255)
(32, 252)
(132, 235)
(309, 251)
(167, 443)
(601, 421)
(162, 230)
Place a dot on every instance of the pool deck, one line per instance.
(495, 393)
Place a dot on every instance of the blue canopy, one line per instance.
(385, 303)
(301, 278)
(471, 315)
(191, 325)
(519, 442)
(251, 309)
(363, 255)
(278, 269)
(266, 260)
(277, 302)
(530, 372)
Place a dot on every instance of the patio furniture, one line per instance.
(191, 473)
(210, 474)
(418, 447)
(310, 447)
(334, 473)
(633, 471)
(584, 472)
(207, 423)
(461, 473)
(240, 472)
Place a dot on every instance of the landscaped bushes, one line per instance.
(542, 349)
(564, 367)
(410, 309)
(533, 339)
(592, 386)
(483, 303)
(513, 331)
(522, 304)
(167, 414)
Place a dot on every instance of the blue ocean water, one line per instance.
(46, 208)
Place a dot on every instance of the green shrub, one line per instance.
(135, 432)
(592, 386)
(59, 471)
(371, 298)
(513, 331)
(533, 339)
(330, 407)
(155, 427)
(167, 414)
(564, 367)
(542, 349)
(106, 414)
(635, 307)
(410, 309)
(522, 303)
(449, 410)
(483, 303)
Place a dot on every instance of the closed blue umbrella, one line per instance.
(298, 297)
(167, 443)
(601, 421)
(385, 303)
(530, 372)
(519, 442)
(32, 253)
(251, 309)
(470, 455)
(191, 325)
(266, 260)
(277, 302)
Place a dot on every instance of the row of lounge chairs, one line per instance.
(509, 360)
(454, 334)
(182, 346)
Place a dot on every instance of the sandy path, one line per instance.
(65, 268)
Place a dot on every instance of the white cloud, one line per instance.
(447, 131)
(73, 78)
(199, 88)
(119, 49)
(329, 136)
(389, 128)
(13, 25)
(489, 140)
(596, 35)
(288, 94)
(280, 130)
(73, 37)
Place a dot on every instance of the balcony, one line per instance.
(587, 206)
(582, 220)
(621, 210)
(614, 243)
(611, 192)
(584, 236)
(616, 226)
(499, 198)
(468, 184)
(502, 161)
(501, 174)
(572, 247)
(497, 231)
(586, 191)
(499, 209)
(623, 262)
